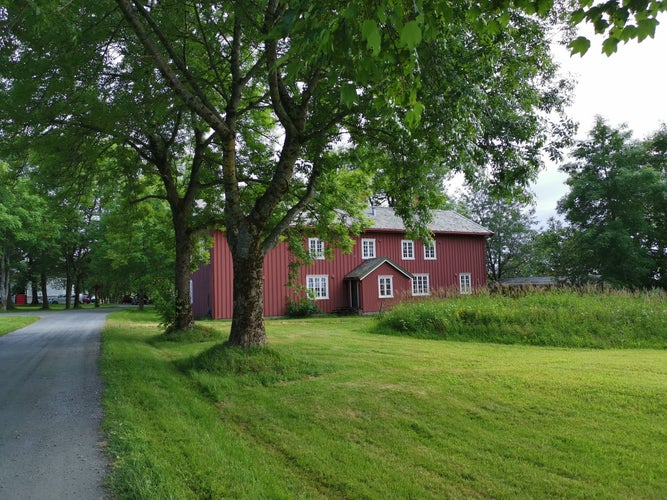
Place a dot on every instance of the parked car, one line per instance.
(53, 301)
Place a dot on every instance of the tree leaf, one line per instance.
(646, 27)
(411, 34)
(348, 94)
(609, 46)
(580, 45)
(371, 33)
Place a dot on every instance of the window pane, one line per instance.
(429, 250)
(316, 248)
(367, 248)
(318, 287)
(420, 284)
(465, 283)
(385, 286)
(408, 249)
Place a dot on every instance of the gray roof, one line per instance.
(444, 221)
(370, 265)
(532, 281)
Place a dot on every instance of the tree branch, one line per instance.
(196, 101)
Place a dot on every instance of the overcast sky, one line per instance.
(629, 87)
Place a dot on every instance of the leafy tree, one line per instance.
(656, 206)
(508, 250)
(320, 80)
(616, 207)
(21, 220)
(133, 253)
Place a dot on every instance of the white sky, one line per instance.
(628, 87)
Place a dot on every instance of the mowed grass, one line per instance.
(331, 410)
(9, 323)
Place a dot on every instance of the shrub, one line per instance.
(301, 308)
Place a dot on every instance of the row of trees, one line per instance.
(250, 115)
(615, 217)
(82, 236)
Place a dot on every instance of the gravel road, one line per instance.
(50, 412)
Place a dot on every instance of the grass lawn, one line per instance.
(332, 410)
(9, 323)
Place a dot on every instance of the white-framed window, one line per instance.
(385, 287)
(408, 249)
(318, 286)
(429, 250)
(420, 285)
(316, 248)
(367, 248)
(465, 283)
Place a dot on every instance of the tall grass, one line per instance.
(332, 411)
(561, 319)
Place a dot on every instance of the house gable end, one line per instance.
(366, 268)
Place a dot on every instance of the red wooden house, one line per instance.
(384, 267)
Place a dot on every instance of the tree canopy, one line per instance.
(616, 206)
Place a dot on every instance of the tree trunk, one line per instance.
(43, 284)
(35, 293)
(33, 284)
(68, 281)
(184, 320)
(248, 317)
(4, 279)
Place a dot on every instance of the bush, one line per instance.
(164, 299)
(302, 308)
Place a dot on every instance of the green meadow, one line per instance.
(351, 408)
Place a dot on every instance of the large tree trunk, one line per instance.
(248, 317)
(184, 320)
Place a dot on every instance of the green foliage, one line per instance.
(302, 308)
(560, 319)
(616, 207)
(164, 298)
(511, 221)
(618, 21)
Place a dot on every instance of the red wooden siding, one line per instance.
(455, 254)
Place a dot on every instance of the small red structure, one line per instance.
(384, 267)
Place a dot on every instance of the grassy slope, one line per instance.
(351, 414)
(9, 323)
